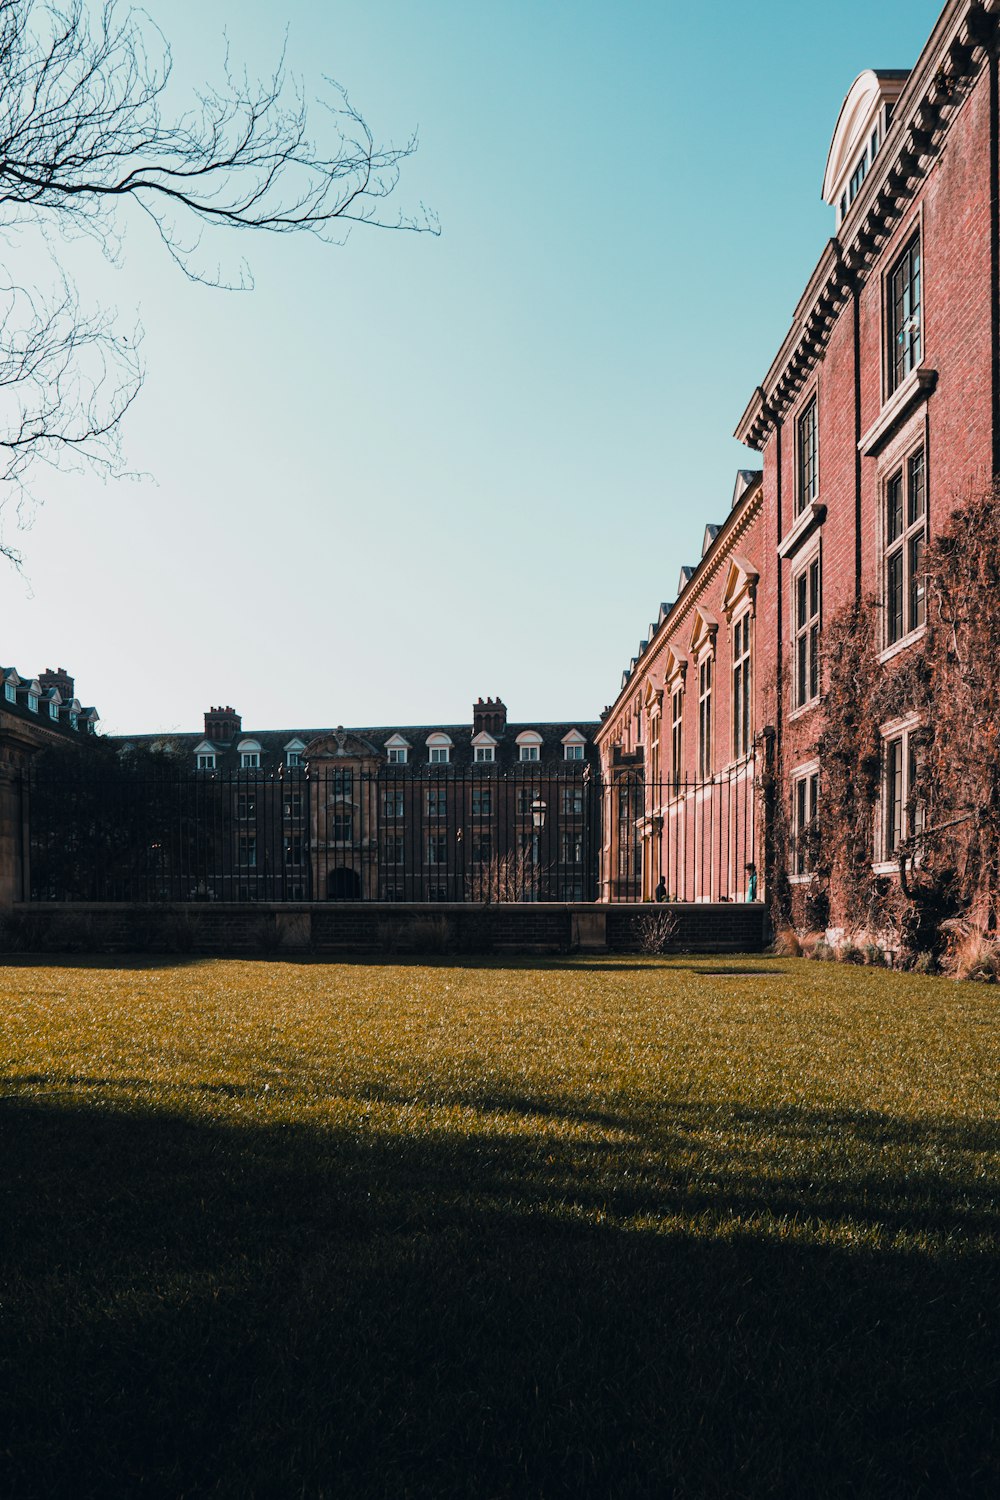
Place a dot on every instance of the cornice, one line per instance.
(934, 92)
(732, 529)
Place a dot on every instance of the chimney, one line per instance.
(60, 679)
(490, 715)
(222, 723)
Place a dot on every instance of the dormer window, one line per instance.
(485, 754)
(206, 760)
(33, 703)
(249, 752)
(573, 745)
(10, 692)
(859, 135)
(293, 755)
(54, 710)
(529, 745)
(398, 755)
(439, 749)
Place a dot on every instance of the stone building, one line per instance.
(35, 712)
(425, 812)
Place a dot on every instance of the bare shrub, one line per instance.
(655, 931)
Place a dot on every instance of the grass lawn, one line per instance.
(564, 1228)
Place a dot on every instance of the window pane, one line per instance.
(894, 508)
(917, 610)
(894, 596)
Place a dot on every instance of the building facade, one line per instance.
(878, 417)
(487, 810)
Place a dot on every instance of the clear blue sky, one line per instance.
(408, 471)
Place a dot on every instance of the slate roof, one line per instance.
(272, 743)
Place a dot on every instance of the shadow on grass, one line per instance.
(267, 1309)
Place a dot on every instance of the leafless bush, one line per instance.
(656, 930)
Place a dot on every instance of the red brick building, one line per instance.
(878, 416)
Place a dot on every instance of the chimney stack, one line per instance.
(60, 679)
(489, 715)
(222, 724)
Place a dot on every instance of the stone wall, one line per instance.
(370, 927)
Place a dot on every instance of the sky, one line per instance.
(407, 470)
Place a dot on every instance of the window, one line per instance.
(249, 760)
(808, 474)
(904, 314)
(246, 806)
(392, 849)
(342, 783)
(10, 692)
(571, 801)
(529, 752)
(485, 754)
(54, 711)
(33, 702)
(398, 755)
(437, 849)
(902, 813)
(573, 752)
(525, 796)
(343, 827)
(806, 589)
(676, 740)
(482, 848)
(392, 804)
(858, 175)
(293, 759)
(293, 805)
(206, 759)
(74, 720)
(705, 718)
(805, 799)
(742, 687)
(482, 801)
(440, 755)
(437, 802)
(905, 534)
(293, 848)
(248, 849)
(571, 847)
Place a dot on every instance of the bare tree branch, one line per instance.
(87, 131)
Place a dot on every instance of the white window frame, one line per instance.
(807, 633)
(397, 755)
(901, 734)
(906, 546)
(531, 753)
(705, 668)
(742, 640)
(485, 755)
(573, 752)
(205, 760)
(805, 800)
(10, 692)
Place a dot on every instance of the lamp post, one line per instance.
(538, 811)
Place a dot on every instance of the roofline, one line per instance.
(954, 53)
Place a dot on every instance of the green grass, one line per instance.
(585, 1228)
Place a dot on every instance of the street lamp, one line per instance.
(538, 811)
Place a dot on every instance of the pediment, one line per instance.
(704, 630)
(675, 666)
(741, 584)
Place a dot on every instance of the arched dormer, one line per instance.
(741, 585)
(249, 753)
(439, 747)
(860, 131)
(529, 745)
(703, 632)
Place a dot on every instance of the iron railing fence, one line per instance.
(344, 833)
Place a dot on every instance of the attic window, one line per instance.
(438, 749)
(249, 755)
(54, 710)
(398, 755)
(573, 752)
(485, 754)
(529, 745)
(10, 692)
(33, 702)
(206, 760)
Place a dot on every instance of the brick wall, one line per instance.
(349, 927)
